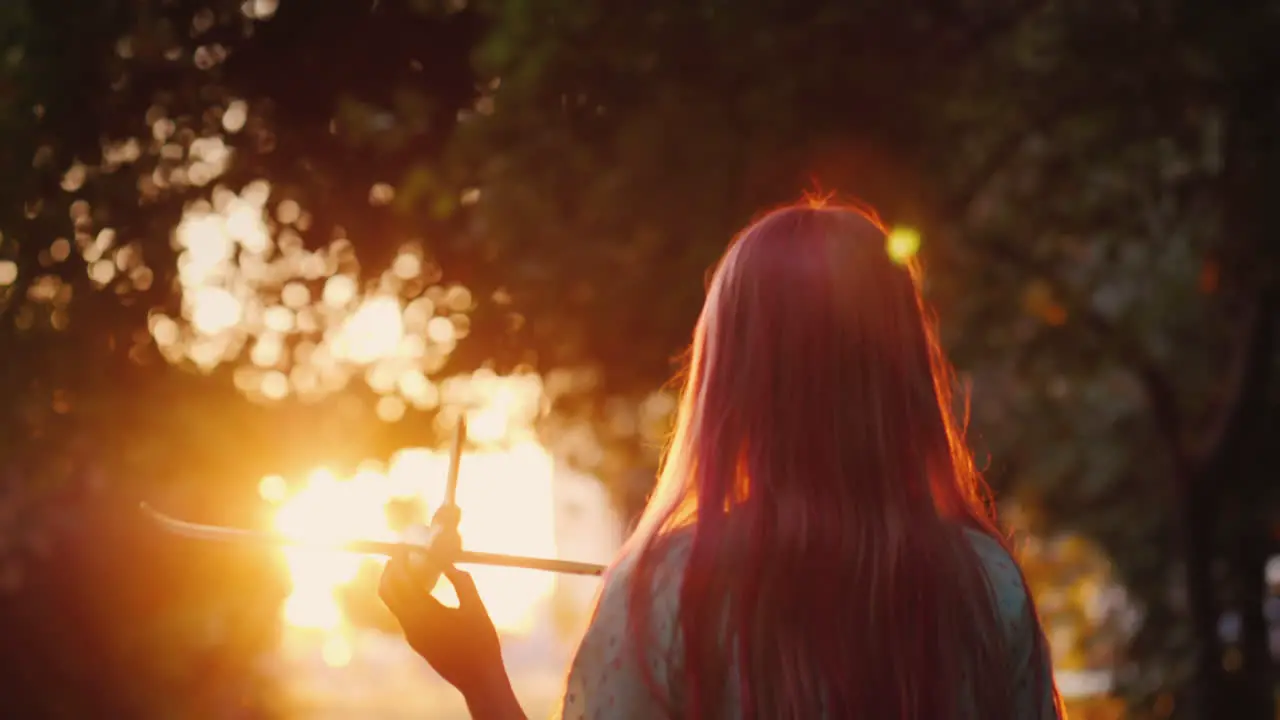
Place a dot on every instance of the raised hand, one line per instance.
(461, 644)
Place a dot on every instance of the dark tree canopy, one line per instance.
(1093, 183)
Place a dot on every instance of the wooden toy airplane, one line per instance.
(441, 548)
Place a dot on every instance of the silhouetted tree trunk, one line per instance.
(1219, 474)
(1236, 454)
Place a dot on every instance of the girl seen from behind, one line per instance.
(819, 543)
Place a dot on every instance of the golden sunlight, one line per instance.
(304, 321)
(252, 290)
(307, 325)
(504, 489)
(374, 331)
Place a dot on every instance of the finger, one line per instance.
(405, 596)
(397, 588)
(389, 587)
(416, 568)
(464, 587)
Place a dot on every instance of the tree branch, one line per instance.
(1046, 118)
(1159, 390)
(1039, 121)
(1250, 374)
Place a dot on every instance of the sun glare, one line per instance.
(505, 490)
(297, 321)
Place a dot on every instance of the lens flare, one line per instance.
(902, 244)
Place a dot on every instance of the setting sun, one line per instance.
(507, 499)
(309, 327)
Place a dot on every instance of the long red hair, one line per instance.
(819, 469)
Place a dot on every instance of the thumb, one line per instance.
(465, 588)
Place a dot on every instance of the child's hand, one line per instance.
(460, 643)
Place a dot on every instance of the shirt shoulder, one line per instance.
(1009, 591)
(606, 678)
(1034, 692)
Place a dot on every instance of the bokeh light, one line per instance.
(902, 244)
(303, 318)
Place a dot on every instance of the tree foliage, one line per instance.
(1092, 220)
(1092, 181)
(119, 117)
